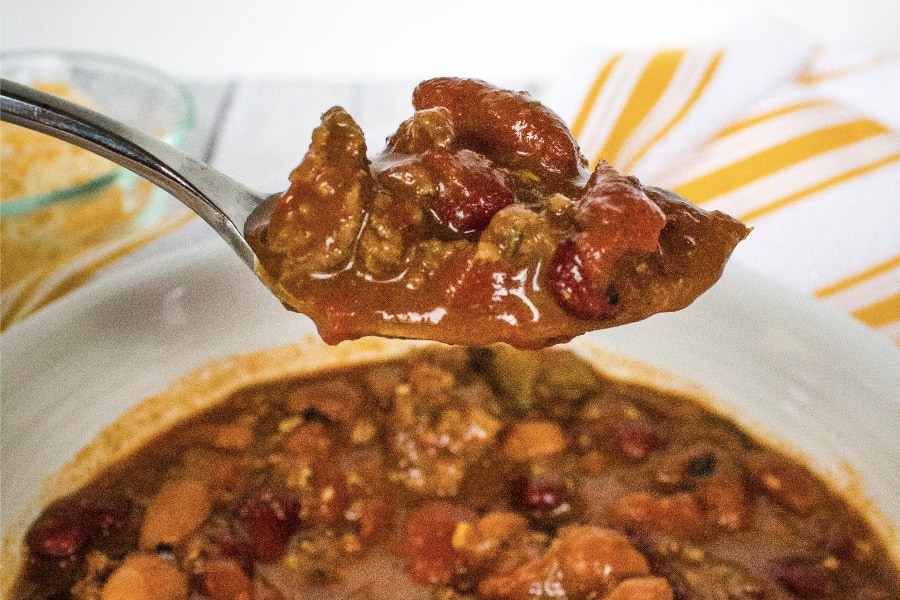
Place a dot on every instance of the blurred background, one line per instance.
(352, 39)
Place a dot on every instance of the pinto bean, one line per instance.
(642, 588)
(145, 577)
(678, 515)
(177, 510)
(528, 440)
(225, 580)
(591, 558)
(583, 562)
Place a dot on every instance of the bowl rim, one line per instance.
(81, 191)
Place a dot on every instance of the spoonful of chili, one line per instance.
(480, 221)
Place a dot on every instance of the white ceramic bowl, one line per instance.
(825, 387)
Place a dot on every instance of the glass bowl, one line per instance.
(57, 199)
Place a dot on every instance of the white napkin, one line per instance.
(800, 142)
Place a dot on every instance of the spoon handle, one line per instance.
(221, 201)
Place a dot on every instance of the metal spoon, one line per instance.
(227, 205)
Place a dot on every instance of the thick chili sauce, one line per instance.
(479, 222)
(456, 474)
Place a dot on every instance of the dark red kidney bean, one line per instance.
(59, 536)
(469, 190)
(53, 577)
(637, 438)
(509, 127)
(570, 284)
(616, 209)
(544, 498)
(67, 526)
(270, 518)
(106, 512)
(846, 538)
(806, 579)
(227, 542)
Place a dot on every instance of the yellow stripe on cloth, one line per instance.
(636, 100)
(657, 76)
(814, 77)
(760, 140)
(591, 98)
(858, 278)
(821, 185)
(871, 295)
(772, 114)
(741, 172)
(880, 313)
(681, 112)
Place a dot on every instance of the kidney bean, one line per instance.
(269, 518)
(59, 536)
(469, 190)
(545, 498)
(572, 287)
(806, 579)
(227, 542)
(107, 511)
(509, 127)
(637, 438)
(72, 523)
(617, 216)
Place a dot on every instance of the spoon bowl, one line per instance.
(225, 204)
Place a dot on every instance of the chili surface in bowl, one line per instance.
(449, 473)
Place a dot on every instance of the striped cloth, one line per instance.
(800, 142)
